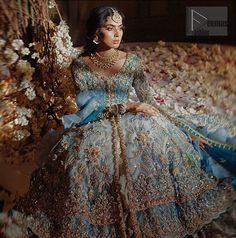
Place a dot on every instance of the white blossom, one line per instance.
(25, 84)
(30, 92)
(22, 121)
(24, 111)
(17, 44)
(2, 43)
(20, 134)
(35, 55)
(22, 115)
(25, 51)
(10, 56)
(63, 45)
(51, 4)
(32, 44)
(25, 68)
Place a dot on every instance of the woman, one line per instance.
(128, 169)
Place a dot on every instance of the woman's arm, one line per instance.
(141, 107)
(147, 103)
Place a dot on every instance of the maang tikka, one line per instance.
(116, 17)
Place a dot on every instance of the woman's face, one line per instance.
(111, 33)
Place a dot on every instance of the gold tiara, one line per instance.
(116, 17)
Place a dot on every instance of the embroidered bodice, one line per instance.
(117, 86)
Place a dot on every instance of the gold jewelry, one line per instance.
(96, 40)
(116, 17)
(104, 62)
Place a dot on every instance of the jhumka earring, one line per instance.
(96, 40)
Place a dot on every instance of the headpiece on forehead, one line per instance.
(116, 17)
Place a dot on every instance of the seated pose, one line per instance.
(128, 169)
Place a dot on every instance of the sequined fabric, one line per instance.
(130, 175)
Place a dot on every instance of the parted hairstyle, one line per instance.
(96, 19)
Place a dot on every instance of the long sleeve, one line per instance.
(75, 73)
(144, 91)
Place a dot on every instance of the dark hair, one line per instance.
(96, 19)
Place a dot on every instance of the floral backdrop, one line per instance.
(36, 87)
(35, 81)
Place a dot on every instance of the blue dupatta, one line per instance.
(91, 104)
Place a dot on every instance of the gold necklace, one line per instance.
(104, 62)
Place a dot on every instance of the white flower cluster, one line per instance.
(12, 52)
(51, 4)
(18, 45)
(63, 45)
(22, 115)
(24, 67)
(11, 55)
(25, 70)
(20, 134)
(2, 43)
(29, 92)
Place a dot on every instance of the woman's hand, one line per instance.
(141, 107)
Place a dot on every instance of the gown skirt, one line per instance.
(131, 175)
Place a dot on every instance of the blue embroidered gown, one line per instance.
(132, 175)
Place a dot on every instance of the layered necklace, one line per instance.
(104, 62)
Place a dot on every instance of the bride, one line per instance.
(125, 169)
